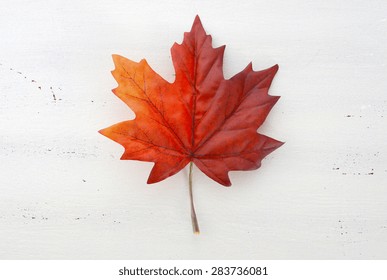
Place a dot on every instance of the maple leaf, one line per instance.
(200, 118)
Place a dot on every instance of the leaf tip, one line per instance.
(116, 57)
(226, 182)
(271, 145)
(274, 68)
(151, 180)
(197, 24)
(275, 99)
(197, 20)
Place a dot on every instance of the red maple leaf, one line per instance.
(200, 118)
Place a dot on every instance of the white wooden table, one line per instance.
(64, 193)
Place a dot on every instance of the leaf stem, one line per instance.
(195, 225)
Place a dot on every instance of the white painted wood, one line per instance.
(64, 193)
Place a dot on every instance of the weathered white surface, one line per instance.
(64, 193)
